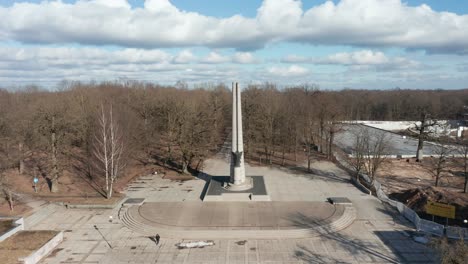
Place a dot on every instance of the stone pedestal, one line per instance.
(220, 190)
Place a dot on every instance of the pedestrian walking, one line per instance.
(157, 238)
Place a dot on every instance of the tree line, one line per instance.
(179, 128)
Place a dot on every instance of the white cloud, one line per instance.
(58, 55)
(358, 60)
(244, 58)
(291, 71)
(292, 58)
(49, 65)
(184, 57)
(363, 57)
(214, 57)
(367, 23)
(113, 3)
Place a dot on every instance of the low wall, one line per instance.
(36, 256)
(118, 203)
(388, 125)
(18, 226)
(420, 224)
(456, 232)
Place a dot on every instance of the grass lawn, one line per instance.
(22, 244)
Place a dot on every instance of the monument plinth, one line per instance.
(238, 187)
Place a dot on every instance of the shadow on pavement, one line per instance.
(363, 250)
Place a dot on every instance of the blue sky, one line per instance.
(369, 44)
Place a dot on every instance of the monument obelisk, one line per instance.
(238, 181)
(239, 187)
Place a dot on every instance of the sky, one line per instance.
(359, 44)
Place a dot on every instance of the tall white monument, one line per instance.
(238, 181)
(239, 187)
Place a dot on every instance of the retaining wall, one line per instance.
(36, 256)
(18, 226)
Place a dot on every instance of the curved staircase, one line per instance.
(131, 218)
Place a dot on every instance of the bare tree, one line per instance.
(332, 129)
(192, 134)
(370, 151)
(7, 190)
(438, 163)
(109, 148)
(424, 131)
(463, 162)
(376, 153)
(358, 150)
(55, 123)
(451, 252)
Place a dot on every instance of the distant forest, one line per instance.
(181, 127)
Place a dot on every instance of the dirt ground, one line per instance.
(398, 175)
(74, 186)
(5, 225)
(412, 183)
(18, 210)
(257, 158)
(22, 244)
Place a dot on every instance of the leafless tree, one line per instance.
(358, 153)
(424, 130)
(193, 134)
(370, 151)
(463, 162)
(451, 252)
(6, 187)
(109, 147)
(438, 164)
(376, 152)
(53, 128)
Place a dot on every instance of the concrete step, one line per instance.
(139, 226)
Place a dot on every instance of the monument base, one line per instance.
(219, 190)
(246, 185)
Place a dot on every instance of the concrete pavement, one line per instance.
(378, 235)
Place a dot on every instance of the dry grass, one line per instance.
(22, 244)
(18, 210)
(5, 225)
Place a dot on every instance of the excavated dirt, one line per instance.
(412, 183)
(417, 198)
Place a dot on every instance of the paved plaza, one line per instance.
(378, 235)
(245, 215)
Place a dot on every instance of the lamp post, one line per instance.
(35, 181)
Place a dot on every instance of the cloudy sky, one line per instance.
(336, 44)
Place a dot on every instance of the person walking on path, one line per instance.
(157, 238)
